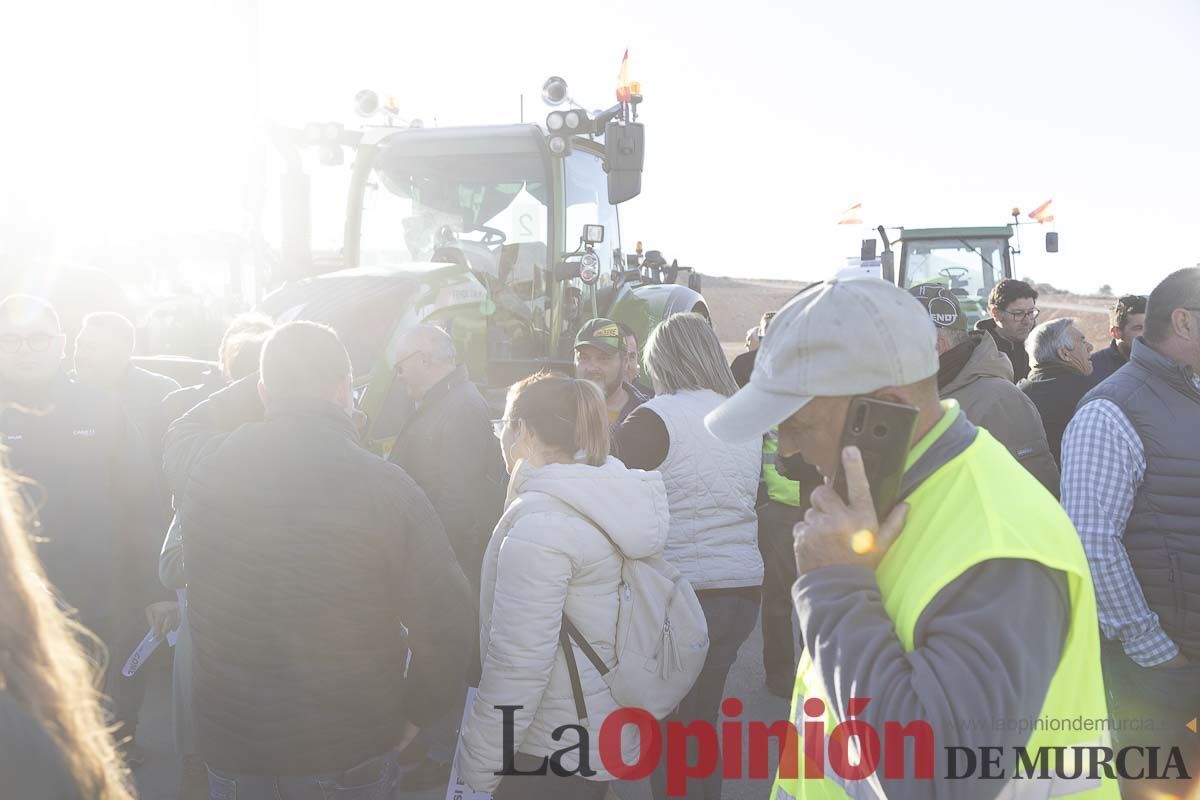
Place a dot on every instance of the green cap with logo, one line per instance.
(942, 305)
(600, 333)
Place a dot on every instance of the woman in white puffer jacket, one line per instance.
(550, 556)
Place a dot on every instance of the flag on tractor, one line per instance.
(623, 92)
(1042, 212)
(851, 216)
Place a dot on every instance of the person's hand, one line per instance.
(833, 532)
(407, 736)
(163, 617)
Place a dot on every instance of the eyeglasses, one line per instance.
(398, 367)
(498, 426)
(37, 343)
(1021, 316)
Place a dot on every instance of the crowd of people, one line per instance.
(329, 605)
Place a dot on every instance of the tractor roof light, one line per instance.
(366, 103)
(559, 145)
(331, 132)
(555, 121)
(554, 91)
(314, 133)
(572, 120)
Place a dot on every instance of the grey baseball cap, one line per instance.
(843, 337)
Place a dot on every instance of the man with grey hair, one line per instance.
(973, 371)
(447, 446)
(1061, 366)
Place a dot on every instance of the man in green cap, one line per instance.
(973, 371)
(601, 357)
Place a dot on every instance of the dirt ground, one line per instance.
(736, 304)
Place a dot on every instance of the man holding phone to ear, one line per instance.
(948, 586)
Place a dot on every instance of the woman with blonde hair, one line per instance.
(572, 514)
(53, 741)
(711, 487)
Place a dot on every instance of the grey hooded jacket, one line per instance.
(985, 391)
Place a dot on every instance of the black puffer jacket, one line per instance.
(1014, 350)
(92, 484)
(1056, 391)
(448, 448)
(306, 554)
(1107, 361)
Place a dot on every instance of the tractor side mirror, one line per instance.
(566, 270)
(624, 157)
(296, 259)
(1052, 241)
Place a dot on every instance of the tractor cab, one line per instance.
(506, 236)
(968, 261)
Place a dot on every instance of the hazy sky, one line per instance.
(764, 120)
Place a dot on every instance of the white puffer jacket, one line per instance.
(546, 557)
(712, 487)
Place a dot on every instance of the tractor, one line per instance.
(507, 236)
(969, 261)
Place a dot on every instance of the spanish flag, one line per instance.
(623, 93)
(1042, 212)
(852, 215)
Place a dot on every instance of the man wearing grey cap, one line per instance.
(973, 371)
(971, 603)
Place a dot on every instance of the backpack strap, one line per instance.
(573, 671)
(566, 634)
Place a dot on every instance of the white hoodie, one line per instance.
(545, 557)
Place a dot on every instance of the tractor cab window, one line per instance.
(969, 267)
(586, 193)
(488, 211)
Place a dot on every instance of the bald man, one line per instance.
(104, 359)
(99, 521)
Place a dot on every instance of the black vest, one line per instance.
(1162, 402)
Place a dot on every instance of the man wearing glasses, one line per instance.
(1130, 468)
(1013, 306)
(1128, 320)
(100, 522)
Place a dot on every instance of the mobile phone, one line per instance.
(882, 432)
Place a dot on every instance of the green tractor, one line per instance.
(969, 261)
(507, 236)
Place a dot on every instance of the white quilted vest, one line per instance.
(711, 490)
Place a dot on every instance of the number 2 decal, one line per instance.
(525, 223)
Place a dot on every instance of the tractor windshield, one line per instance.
(493, 204)
(969, 267)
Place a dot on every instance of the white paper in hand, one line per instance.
(140, 653)
(457, 790)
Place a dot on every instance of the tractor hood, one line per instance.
(366, 306)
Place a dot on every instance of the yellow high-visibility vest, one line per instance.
(965, 513)
(779, 488)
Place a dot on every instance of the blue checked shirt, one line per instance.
(1103, 464)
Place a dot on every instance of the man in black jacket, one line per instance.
(447, 444)
(448, 447)
(1060, 377)
(1128, 320)
(1013, 306)
(93, 485)
(313, 566)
